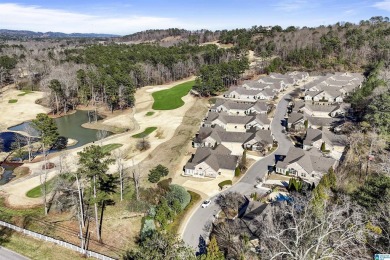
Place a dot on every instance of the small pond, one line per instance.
(7, 174)
(68, 126)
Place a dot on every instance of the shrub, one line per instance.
(147, 228)
(225, 183)
(164, 184)
(237, 172)
(154, 176)
(179, 193)
(143, 145)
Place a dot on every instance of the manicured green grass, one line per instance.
(37, 191)
(169, 99)
(110, 147)
(175, 225)
(150, 113)
(11, 101)
(145, 133)
(25, 92)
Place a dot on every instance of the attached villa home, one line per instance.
(330, 95)
(325, 141)
(260, 107)
(232, 107)
(308, 165)
(299, 76)
(296, 121)
(277, 83)
(262, 140)
(249, 94)
(228, 122)
(297, 106)
(207, 162)
(212, 137)
(261, 121)
(323, 122)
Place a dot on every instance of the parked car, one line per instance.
(206, 203)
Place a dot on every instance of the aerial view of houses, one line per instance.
(194, 130)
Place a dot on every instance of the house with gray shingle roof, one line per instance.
(211, 137)
(334, 144)
(261, 121)
(244, 94)
(207, 162)
(261, 140)
(324, 122)
(319, 110)
(231, 107)
(260, 107)
(308, 165)
(296, 121)
(228, 122)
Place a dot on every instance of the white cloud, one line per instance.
(384, 5)
(36, 18)
(291, 5)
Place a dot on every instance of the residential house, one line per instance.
(308, 165)
(227, 122)
(260, 107)
(325, 140)
(296, 121)
(319, 110)
(274, 81)
(261, 140)
(244, 94)
(212, 137)
(207, 162)
(231, 107)
(298, 106)
(261, 121)
(323, 122)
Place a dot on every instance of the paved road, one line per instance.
(10, 255)
(198, 226)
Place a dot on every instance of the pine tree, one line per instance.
(213, 252)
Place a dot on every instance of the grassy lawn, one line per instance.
(12, 101)
(169, 99)
(25, 92)
(175, 225)
(37, 191)
(34, 248)
(110, 147)
(150, 113)
(146, 132)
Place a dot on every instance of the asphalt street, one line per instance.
(6, 254)
(199, 224)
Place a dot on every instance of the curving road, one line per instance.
(198, 226)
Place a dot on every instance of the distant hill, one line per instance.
(30, 34)
(171, 36)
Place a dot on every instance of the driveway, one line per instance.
(197, 229)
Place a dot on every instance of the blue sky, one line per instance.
(125, 17)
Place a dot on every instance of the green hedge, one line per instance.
(225, 183)
(147, 228)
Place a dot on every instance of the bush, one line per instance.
(225, 183)
(147, 228)
(179, 193)
(237, 172)
(143, 145)
(164, 184)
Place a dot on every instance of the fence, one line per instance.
(70, 246)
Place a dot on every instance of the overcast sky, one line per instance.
(125, 17)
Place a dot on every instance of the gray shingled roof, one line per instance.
(312, 135)
(323, 121)
(262, 119)
(309, 160)
(294, 117)
(260, 105)
(216, 159)
(321, 108)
